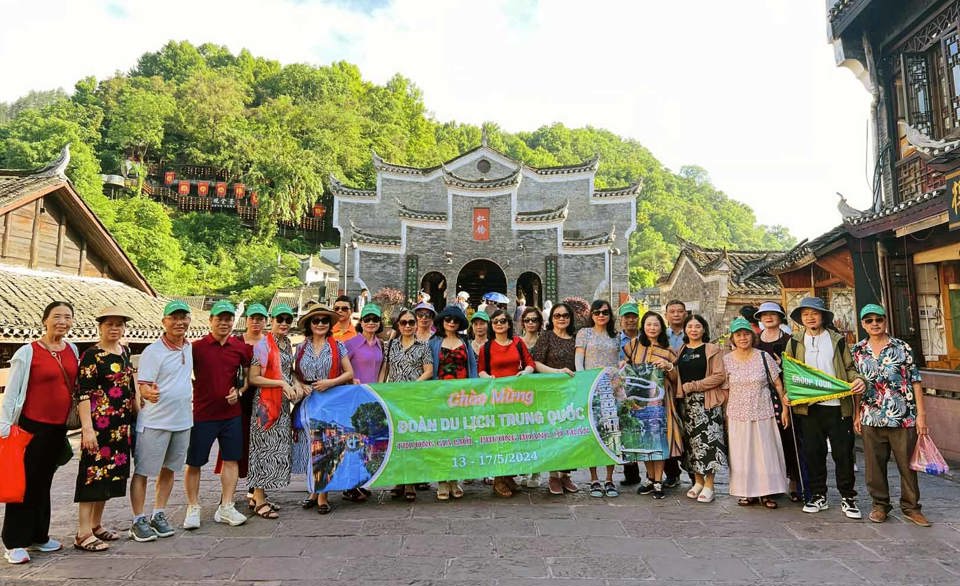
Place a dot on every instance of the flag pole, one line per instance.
(796, 454)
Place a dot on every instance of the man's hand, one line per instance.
(922, 428)
(149, 392)
(857, 426)
(233, 396)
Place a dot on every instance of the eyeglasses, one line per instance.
(561, 316)
(531, 320)
(601, 312)
(368, 319)
(499, 322)
(320, 321)
(341, 308)
(874, 320)
(450, 319)
(283, 319)
(407, 322)
(424, 315)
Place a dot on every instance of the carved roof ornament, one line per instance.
(484, 138)
(590, 165)
(847, 211)
(618, 192)
(450, 178)
(340, 189)
(57, 168)
(926, 145)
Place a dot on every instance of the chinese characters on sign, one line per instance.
(169, 177)
(221, 189)
(412, 283)
(203, 188)
(223, 202)
(953, 187)
(481, 223)
(183, 188)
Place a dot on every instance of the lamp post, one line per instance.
(611, 252)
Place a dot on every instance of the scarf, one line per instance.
(271, 398)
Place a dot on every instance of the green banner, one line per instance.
(806, 384)
(384, 434)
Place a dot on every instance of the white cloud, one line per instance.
(748, 90)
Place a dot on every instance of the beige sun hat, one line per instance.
(113, 311)
(314, 309)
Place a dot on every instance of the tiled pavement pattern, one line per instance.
(531, 539)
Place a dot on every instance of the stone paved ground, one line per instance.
(531, 539)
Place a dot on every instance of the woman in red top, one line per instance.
(38, 397)
(504, 355)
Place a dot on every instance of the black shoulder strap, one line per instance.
(793, 347)
(486, 355)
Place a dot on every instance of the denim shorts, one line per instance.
(227, 432)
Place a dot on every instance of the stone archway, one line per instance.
(479, 277)
(435, 284)
(530, 287)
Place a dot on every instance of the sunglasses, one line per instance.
(874, 320)
(531, 320)
(407, 322)
(424, 315)
(370, 319)
(283, 319)
(499, 322)
(561, 316)
(601, 312)
(320, 321)
(341, 308)
(450, 319)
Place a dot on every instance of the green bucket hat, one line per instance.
(281, 309)
(740, 323)
(174, 306)
(223, 306)
(480, 315)
(872, 308)
(628, 308)
(371, 309)
(256, 309)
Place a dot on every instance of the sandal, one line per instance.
(104, 534)
(265, 511)
(309, 502)
(456, 491)
(596, 490)
(354, 495)
(89, 543)
(694, 491)
(769, 502)
(746, 502)
(410, 493)
(252, 504)
(323, 509)
(609, 490)
(443, 491)
(706, 496)
(795, 497)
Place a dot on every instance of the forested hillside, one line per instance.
(283, 130)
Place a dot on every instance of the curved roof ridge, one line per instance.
(338, 188)
(451, 178)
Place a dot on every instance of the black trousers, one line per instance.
(28, 522)
(818, 425)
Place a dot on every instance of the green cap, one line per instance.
(256, 309)
(628, 308)
(740, 323)
(872, 308)
(281, 309)
(223, 306)
(371, 309)
(481, 315)
(175, 305)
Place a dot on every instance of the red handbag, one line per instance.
(12, 470)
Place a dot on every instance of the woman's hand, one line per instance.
(785, 418)
(664, 365)
(289, 392)
(88, 440)
(321, 385)
(857, 426)
(922, 428)
(566, 371)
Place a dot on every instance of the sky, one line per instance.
(747, 89)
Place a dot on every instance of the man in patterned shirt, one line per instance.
(891, 414)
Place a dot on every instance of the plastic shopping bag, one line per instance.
(927, 458)
(12, 449)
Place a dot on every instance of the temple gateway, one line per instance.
(484, 222)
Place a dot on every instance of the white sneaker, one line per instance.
(850, 508)
(50, 545)
(532, 481)
(230, 515)
(192, 520)
(816, 504)
(17, 555)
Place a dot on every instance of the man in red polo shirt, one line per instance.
(217, 357)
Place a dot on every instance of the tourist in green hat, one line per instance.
(256, 324)
(892, 414)
(175, 306)
(629, 329)
(478, 330)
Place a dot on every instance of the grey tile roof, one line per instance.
(748, 274)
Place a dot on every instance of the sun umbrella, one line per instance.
(496, 297)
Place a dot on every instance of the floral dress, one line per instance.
(453, 363)
(107, 381)
(705, 444)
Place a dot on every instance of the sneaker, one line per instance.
(142, 531)
(49, 546)
(645, 488)
(917, 517)
(671, 482)
(230, 515)
(658, 490)
(17, 555)
(816, 504)
(192, 519)
(850, 508)
(555, 485)
(568, 484)
(161, 525)
(532, 481)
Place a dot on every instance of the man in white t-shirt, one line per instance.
(164, 422)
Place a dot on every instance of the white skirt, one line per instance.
(757, 466)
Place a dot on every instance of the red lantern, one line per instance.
(203, 188)
(221, 189)
(239, 189)
(318, 210)
(254, 200)
(169, 177)
(183, 188)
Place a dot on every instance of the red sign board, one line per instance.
(239, 189)
(221, 189)
(183, 188)
(203, 188)
(481, 223)
(169, 177)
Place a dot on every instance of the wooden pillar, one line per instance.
(35, 235)
(61, 238)
(83, 257)
(7, 224)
